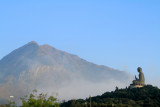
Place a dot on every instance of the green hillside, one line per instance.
(147, 96)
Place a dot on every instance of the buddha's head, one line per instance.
(139, 69)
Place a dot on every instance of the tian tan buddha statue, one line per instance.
(139, 82)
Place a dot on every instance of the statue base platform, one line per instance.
(136, 86)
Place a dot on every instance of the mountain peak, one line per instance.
(46, 46)
(33, 42)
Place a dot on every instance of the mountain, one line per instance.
(48, 69)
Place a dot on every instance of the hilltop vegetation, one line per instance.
(147, 96)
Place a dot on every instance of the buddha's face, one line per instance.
(139, 69)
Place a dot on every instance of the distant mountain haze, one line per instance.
(48, 69)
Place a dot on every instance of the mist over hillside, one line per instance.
(48, 69)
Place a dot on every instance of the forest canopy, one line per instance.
(147, 96)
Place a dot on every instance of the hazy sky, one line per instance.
(121, 34)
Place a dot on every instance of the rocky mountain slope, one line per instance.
(48, 69)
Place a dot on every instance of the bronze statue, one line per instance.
(141, 80)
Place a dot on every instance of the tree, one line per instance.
(40, 100)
